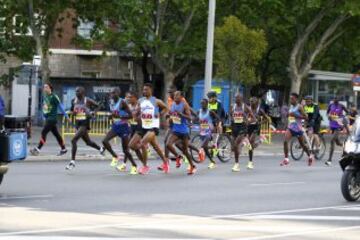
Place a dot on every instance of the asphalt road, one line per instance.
(40, 200)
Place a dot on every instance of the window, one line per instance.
(84, 29)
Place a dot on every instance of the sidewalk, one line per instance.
(51, 148)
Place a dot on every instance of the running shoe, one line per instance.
(144, 170)
(133, 170)
(62, 152)
(178, 162)
(285, 162)
(121, 167)
(35, 151)
(164, 167)
(311, 160)
(191, 170)
(114, 162)
(212, 165)
(250, 165)
(102, 151)
(262, 138)
(328, 163)
(236, 167)
(71, 165)
(201, 155)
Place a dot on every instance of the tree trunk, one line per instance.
(169, 79)
(295, 82)
(45, 68)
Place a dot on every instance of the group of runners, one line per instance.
(136, 121)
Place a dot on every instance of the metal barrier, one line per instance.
(100, 124)
(266, 130)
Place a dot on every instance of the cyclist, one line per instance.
(295, 116)
(179, 115)
(338, 122)
(81, 107)
(206, 129)
(314, 120)
(254, 127)
(216, 106)
(120, 128)
(149, 111)
(240, 113)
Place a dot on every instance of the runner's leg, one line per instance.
(106, 143)
(125, 146)
(58, 137)
(79, 133)
(86, 138)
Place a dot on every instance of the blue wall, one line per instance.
(221, 86)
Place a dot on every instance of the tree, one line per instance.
(172, 33)
(307, 48)
(238, 50)
(35, 23)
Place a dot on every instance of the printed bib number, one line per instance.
(292, 119)
(176, 119)
(80, 116)
(238, 119)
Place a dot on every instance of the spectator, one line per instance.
(352, 115)
(2, 112)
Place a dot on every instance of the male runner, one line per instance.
(338, 122)
(254, 127)
(240, 113)
(120, 114)
(206, 129)
(149, 113)
(51, 104)
(179, 115)
(80, 107)
(295, 116)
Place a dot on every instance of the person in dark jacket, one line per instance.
(314, 119)
(2, 112)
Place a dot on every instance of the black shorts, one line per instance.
(253, 128)
(239, 129)
(134, 129)
(181, 136)
(82, 123)
(142, 132)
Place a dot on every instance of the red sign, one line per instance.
(356, 80)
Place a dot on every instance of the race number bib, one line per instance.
(80, 116)
(147, 120)
(292, 119)
(175, 119)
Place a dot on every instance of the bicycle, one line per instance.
(297, 151)
(222, 148)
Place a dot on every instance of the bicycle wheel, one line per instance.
(320, 153)
(296, 150)
(196, 142)
(224, 148)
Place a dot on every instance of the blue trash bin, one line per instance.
(13, 146)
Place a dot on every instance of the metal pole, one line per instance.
(210, 47)
(30, 102)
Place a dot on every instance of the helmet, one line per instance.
(211, 94)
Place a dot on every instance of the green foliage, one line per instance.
(238, 50)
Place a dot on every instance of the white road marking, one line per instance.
(302, 233)
(282, 211)
(274, 184)
(348, 208)
(305, 217)
(26, 197)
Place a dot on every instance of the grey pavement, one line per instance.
(40, 200)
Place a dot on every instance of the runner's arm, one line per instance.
(187, 114)
(162, 105)
(303, 114)
(125, 107)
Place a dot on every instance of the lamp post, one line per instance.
(209, 47)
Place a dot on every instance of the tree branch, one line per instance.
(182, 67)
(326, 39)
(299, 45)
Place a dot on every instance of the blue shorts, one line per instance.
(122, 130)
(296, 133)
